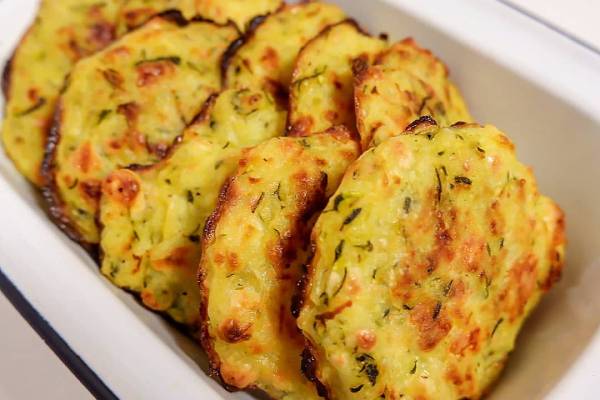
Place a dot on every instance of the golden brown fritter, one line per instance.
(322, 90)
(62, 33)
(153, 217)
(428, 259)
(253, 251)
(125, 105)
(405, 83)
(265, 56)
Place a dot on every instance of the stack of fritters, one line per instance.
(211, 151)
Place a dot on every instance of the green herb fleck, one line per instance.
(317, 73)
(338, 250)
(341, 283)
(439, 185)
(257, 202)
(496, 326)
(172, 59)
(414, 368)
(190, 196)
(448, 288)
(367, 246)
(277, 191)
(38, 104)
(356, 389)
(369, 367)
(436, 310)
(102, 116)
(462, 180)
(337, 201)
(407, 205)
(350, 218)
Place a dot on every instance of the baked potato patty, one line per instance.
(125, 105)
(253, 252)
(428, 259)
(153, 217)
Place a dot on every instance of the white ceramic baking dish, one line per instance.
(532, 82)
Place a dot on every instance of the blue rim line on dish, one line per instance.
(71, 360)
(57, 344)
(551, 26)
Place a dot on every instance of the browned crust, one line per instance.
(556, 260)
(421, 123)
(297, 129)
(6, 77)
(237, 44)
(201, 117)
(7, 72)
(309, 366)
(54, 202)
(214, 362)
(50, 192)
(316, 202)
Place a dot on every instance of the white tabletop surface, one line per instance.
(29, 369)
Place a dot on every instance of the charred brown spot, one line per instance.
(366, 339)
(522, 284)
(466, 342)
(422, 122)
(102, 34)
(131, 112)
(91, 190)
(151, 72)
(231, 331)
(270, 59)
(122, 186)
(84, 158)
(113, 77)
(302, 127)
(359, 66)
(179, 258)
(134, 18)
(309, 369)
(431, 322)
(161, 150)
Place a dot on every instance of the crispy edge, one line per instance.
(54, 201)
(228, 194)
(237, 44)
(308, 362)
(7, 76)
(299, 129)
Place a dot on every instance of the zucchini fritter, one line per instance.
(252, 259)
(428, 259)
(405, 83)
(125, 105)
(153, 217)
(322, 91)
(265, 56)
(62, 33)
